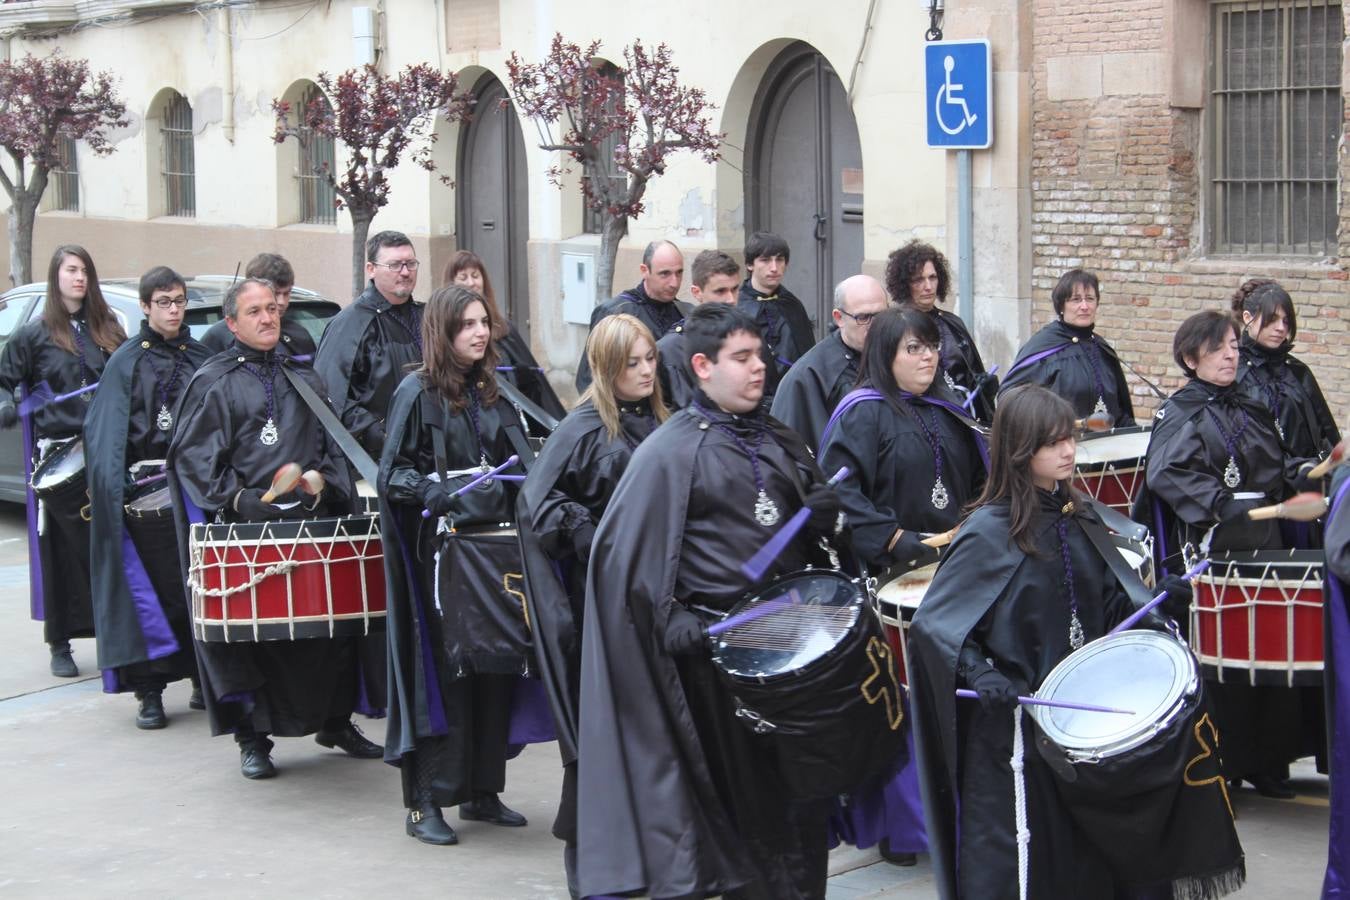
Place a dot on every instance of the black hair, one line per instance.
(1262, 301)
(708, 326)
(907, 262)
(884, 337)
(1201, 333)
(1070, 280)
(382, 239)
(274, 267)
(160, 278)
(766, 243)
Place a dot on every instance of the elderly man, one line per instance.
(716, 279)
(369, 346)
(814, 386)
(239, 420)
(652, 300)
(295, 337)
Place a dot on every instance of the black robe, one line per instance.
(678, 382)
(1070, 361)
(657, 316)
(813, 387)
(1286, 385)
(992, 599)
(140, 602)
(523, 370)
(676, 798)
(1336, 677)
(61, 598)
(893, 473)
(785, 327)
(287, 688)
(363, 355)
(559, 507)
(453, 712)
(961, 367)
(295, 339)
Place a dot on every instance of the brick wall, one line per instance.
(1117, 188)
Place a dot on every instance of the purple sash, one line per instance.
(862, 395)
(1035, 358)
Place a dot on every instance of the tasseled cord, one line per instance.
(1020, 804)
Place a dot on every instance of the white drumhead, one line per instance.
(1103, 448)
(906, 592)
(1149, 672)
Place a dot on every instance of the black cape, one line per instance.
(677, 378)
(295, 338)
(961, 365)
(658, 317)
(524, 371)
(1071, 360)
(363, 355)
(813, 387)
(785, 327)
(30, 356)
(129, 621)
(1289, 389)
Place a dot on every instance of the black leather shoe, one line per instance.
(196, 701)
(351, 741)
(256, 764)
(1272, 787)
(63, 664)
(151, 713)
(428, 825)
(488, 808)
(894, 858)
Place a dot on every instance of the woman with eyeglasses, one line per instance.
(64, 350)
(1070, 358)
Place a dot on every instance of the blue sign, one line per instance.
(959, 94)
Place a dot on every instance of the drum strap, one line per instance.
(1118, 521)
(1128, 578)
(526, 405)
(333, 425)
(514, 433)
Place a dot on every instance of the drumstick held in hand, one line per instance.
(751, 615)
(968, 694)
(941, 539)
(1305, 507)
(1191, 574)
(1334, 459)
(490, 473)
(312, 483)
(286, 478)
(755, 567)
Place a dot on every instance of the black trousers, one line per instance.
(471, 757)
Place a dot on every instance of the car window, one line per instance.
(13, 313)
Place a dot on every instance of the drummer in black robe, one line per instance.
(239, 420)
(517, 364)
(813, 387)
(296, 339)
(676, 797)
(369, 346)
(1336, 884)
(715, 278)
(456, 644)
(1214, 454)
(560, 506)
(917, 275)
(781, 317)
(1070, 358)
(141, 613)
(1030, 577)
(64, 351)
(651, 301)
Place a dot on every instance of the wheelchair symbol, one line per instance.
(950, 95)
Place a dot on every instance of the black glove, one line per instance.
(582, 538)
(249, 504)
(9, 414)
(824, 504)
(1303, 483)
(910, 552)
(1179, 595)
(996, 691)
(436, 497)
(685, 632)
(1231, 509)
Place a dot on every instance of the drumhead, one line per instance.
(907, 591)
(1149, 672)
(154, 501)
(61, 465)
(1114, 446)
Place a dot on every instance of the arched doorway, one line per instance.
(492, 200)
(804, 178)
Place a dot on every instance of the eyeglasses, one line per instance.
(860, 318)
(405, 266)
(919, 348)
(166, 302)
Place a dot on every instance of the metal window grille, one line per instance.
(1275, 119)
(176, 158)
(318, 200)
(594, 220)
(65, 177)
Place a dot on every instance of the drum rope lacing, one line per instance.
(1017, 763)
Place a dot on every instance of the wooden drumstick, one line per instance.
(940, 540)
(1334, 459)
(1304, 507)
(286, 478)
(312, 483)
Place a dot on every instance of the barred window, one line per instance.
(594, 219)
(64, 178)
(176, 157)
(318, 200)
(1275, 118)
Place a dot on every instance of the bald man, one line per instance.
(652, 300)
(816, 383)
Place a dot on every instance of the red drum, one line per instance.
(287, 580)
(897, 601)
(1257, 618)
(1110, 466)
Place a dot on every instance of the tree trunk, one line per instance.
(21, 216)
(611, 232)
(361, 219)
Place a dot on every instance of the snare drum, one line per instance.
(817, 678)
(480, 596)
(286, 580)
(1109, 467)
(60, 477)
(1257, 618)
(154, 504)
(897, 602)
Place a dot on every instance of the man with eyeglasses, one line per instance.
(295, 337)
(817, 382)
(144, 636)
(369, 346)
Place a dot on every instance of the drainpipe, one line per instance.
(227, 31)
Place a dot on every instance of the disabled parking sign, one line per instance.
(958, 94)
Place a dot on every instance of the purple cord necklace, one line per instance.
(269, 434)
(1273, 388)
(1094, 356)
(475, 412)
(1232, 475)
(939, 497)
(85, 371)
(163, 387)
(1075, 625)
(766, 510)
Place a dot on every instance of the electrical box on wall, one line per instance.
(578, 286)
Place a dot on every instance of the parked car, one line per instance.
(205, 295)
